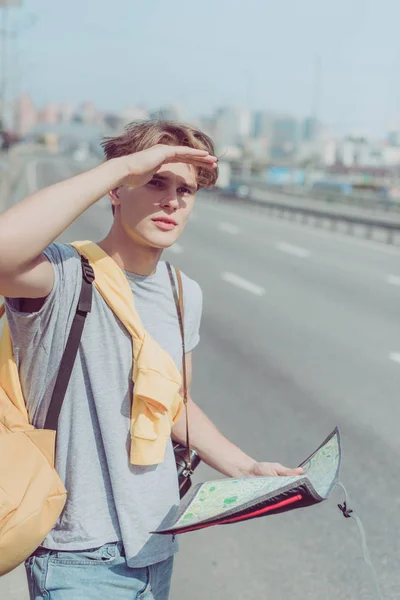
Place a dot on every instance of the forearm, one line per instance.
(213, 447)
(27, 228)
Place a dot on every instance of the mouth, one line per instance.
(165, 223)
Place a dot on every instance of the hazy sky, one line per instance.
(208, 53)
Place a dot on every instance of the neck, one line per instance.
(130, 255)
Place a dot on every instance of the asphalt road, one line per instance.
(300, 332)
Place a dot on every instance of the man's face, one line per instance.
(156, 213)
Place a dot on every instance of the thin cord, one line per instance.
(349, 513)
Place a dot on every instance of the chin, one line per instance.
(161, 242)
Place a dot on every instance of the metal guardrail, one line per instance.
(391, 229)
(369, 203)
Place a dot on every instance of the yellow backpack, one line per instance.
(32, 495)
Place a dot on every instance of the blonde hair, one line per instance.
(141, 135)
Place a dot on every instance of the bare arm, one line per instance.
(29, 227)
(215, 449)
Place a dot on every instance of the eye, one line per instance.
(156, 183)
(184, 190)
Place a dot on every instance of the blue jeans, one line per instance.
(96, 574)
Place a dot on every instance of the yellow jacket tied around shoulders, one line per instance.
(32, 495)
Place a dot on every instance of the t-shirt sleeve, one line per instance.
(66, 267)
(193, 305)
(39, 337)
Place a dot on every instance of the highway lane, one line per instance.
(350, 313)
(279, 365)
(315, 351)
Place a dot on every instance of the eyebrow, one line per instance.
(192, 188)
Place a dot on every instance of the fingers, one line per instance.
(200, 164)
(285, 471)
(206, 162)
(194, 156)
(267, 469)
(186, 151)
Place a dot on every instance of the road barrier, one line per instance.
(370, 204)
(391, 229)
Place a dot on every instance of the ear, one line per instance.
(114, 197)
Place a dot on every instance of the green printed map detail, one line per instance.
(322, 468)
(216, 497)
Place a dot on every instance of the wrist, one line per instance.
(247, 468)
(255, 469)
(120, 169)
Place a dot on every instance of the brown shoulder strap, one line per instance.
(180, 312)
(180, 292)
(2, 309)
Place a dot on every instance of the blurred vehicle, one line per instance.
(237, 189)
(243, 191)
(7, 139)
(332, 186)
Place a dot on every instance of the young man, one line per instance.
(101, 546)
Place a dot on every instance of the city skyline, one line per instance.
(340, 62)
(263, 137)
(64, 111)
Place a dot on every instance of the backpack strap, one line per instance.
(71, 348)
(178, 298)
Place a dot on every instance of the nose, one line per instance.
(170, 201)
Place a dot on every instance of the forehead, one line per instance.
(185, 173)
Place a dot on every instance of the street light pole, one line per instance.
(4, 5)
(3, 62)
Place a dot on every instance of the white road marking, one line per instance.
(395, 356)
(176, 249)
(31, 175)
(294, 250)
(327, 235)
(244, 284)
(228, 228)
(393, 279)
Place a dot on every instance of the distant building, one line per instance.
(329, 153)
(50, 113)
(359, 152)
(311, 129)
(87, 113)
(394, 138)
(206, 124)
(232, 126)
(25, 114)
(66, 112)
(285, 138)
(262, 134)
(391, 156)
(259, 150)
(263, 124)
(226, 127)
(347, 153)
(245, 121)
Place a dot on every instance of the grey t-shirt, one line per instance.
(108, 498)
